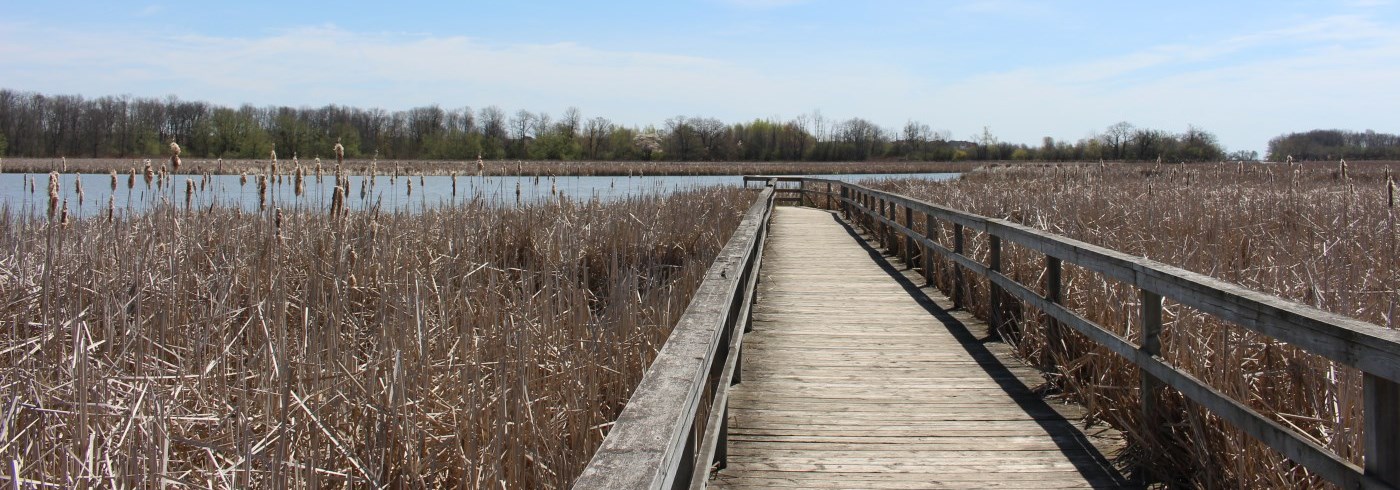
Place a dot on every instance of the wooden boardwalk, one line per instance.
(853, 378)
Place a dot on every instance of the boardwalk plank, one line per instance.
(852, 381)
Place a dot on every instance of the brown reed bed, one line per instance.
(474, 345)
(497, 167)
(1319, 234)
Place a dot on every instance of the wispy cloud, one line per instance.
(149, 10)
(763, 4)
(1332, 71)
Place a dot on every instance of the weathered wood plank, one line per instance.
(847, 371)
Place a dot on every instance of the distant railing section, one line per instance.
(1370, 348)
(674, 428)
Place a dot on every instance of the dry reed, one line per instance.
(1312, 239)
(478, 345)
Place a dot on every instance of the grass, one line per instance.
(475, 345)
(494, 167)
(1309, 233)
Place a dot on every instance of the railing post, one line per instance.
(1148, 385)
(1053, 342)
(994, 291)
(891, 237)
(845, 209)
(828, 197)
(957, 269)
(884, 232)
(686, 470)
(926, 252)
(1382, 429)
(909, 239)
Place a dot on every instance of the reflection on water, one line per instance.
(407, 193)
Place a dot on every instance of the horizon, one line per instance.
(1246, 72)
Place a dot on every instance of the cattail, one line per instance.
(149, 174)
(364, 188)
(1390, 188)
(242, 178)
(174, 156)
(552, 189)
(262, 192)
(131, 179)
(220, 168)
(65, 164)
(114, 180)
(273, 154)
(480, 165)
(33, 186)
(410, 186)
(277, 220)
(318, 170)
(189, 193)
(517, 192)
(63, 214)
(339, 152)
(78, 187)
(111, 208)
(519, 168)
(1342, 167)
(300, 180)
(337, 201)
(53, 194)
(454, 184)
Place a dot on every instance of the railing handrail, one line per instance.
(654, 442)
(1373, 349)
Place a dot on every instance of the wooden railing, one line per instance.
(673, 429)
(1370, 348)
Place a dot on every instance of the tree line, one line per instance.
(38, 125)
(1333, 144)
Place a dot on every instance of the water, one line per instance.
(386, 192)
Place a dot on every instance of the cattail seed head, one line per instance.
(149, 174)
(63, 214)
(111, 208)
(337, 201)
(300, 181)
(53, 194)
(262, 192)
(78, 187)
(175, 156)
(410, 185)
(1390, 188)
(114, 180)
(131, 179)
(339, 152)
(189, 193)
(242, 179)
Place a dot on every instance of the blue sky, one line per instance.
(1247, 70)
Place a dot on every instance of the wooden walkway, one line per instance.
(854, 378)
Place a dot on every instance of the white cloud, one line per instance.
(763, 4)
(1331, 72)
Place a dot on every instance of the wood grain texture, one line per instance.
(853, 377)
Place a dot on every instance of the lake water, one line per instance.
(401, 193)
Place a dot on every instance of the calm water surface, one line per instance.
(401, 193)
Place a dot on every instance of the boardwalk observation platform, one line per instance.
(815, 356)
